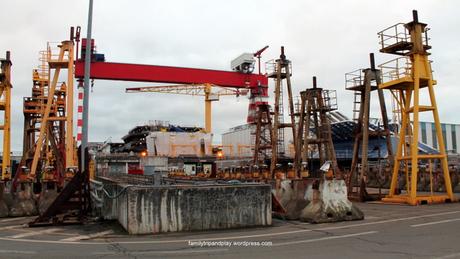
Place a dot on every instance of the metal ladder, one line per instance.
(356, 105)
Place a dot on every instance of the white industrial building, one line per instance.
(450, 133)
(239, 141)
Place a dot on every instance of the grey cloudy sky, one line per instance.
(322, 38)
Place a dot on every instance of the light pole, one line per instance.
(85, 117)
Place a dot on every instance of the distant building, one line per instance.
(238, 141)
(450, 133)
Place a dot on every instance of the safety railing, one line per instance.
(398, 33)
(330, 99)
(43, 68)
(271, 68)
(396, 69)
(54, 49)
(354, 79)
(393, 35)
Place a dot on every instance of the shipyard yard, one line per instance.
(317, 135)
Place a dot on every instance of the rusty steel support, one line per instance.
(282, 71)
(314, 132)
(363, 82)
(263, 136)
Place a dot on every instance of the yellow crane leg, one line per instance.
(207, 109)
(70, 151)
(6, 162)
(6, 85)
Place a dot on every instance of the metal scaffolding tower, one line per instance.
(263, 136)
(363, 82)
(280, 70)
(409, 75)
(314, 132)
(54, 149)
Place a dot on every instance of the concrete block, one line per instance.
(147, 209)
(329, 203)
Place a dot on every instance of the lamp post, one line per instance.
(85, 117)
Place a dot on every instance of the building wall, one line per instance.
(173, 144)
(239, 141)
(451, 135)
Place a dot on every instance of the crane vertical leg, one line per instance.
(208, 108)
(5, 105)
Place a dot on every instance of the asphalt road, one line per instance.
(389, 231)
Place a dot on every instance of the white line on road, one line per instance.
(325, 238)
(16, 252)
(90, 236)
(434, 223)
(233, 237)
(165, 252)
(456, 255)
(10, 227)
(389, 220)
(12, 219)
(35, 233)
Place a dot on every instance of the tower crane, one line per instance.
(209, 91)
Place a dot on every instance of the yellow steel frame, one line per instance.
(408, 85)
(194, 90)
(5, 106)
(56, 62)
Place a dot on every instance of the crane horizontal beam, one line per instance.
(195, 90)
(167, 74)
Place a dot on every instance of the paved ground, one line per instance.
(389, 231)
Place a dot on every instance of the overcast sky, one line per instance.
(322, 38)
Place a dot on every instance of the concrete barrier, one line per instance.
(145, 209)
(329, 203)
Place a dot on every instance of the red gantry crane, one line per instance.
(189, 80)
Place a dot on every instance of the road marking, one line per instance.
(90, 236)
(12, 219)
(325, 238)
(187, 251)
(434, 223)
(372, 217)
(390, 220)
(456, 255)
(35, 233)
(230, 237)
(10, 227)
(16, 252)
